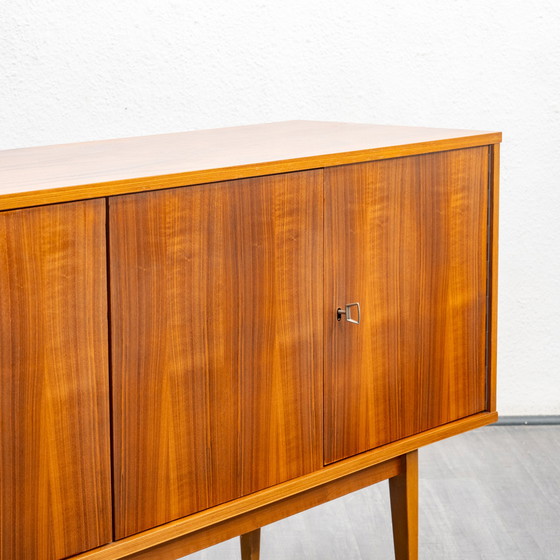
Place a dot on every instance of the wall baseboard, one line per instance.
(533, 420)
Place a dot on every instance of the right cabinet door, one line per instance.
(406, 238)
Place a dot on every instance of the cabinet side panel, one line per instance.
(216, 326)
(408, 240)
(55, 495)
(493, 269)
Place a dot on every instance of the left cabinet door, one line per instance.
(216, 299)
(54, 402)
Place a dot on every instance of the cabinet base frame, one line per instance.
(245, 515)
(403, 488)
(249, 522)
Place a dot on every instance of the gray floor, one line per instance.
(493, 493)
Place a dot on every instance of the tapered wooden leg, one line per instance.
(404, 509)
(251, 545)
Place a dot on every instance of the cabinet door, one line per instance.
(407, 239)
(217, 343)
(54, 403)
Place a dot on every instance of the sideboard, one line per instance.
(202, 333)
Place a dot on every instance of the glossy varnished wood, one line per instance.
(218, 308)
(217, 343)
(236, 517)
(54, 399)
(407, 238)
(48, 174)
(404, 509)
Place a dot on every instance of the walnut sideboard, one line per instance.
(205, 332)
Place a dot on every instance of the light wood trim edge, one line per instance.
(140, 184)
(493, 271)
(175, 529)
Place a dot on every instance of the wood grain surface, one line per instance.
(217, 343)
(223, 331)
(54, 403)
(407, 238)
(49, 174)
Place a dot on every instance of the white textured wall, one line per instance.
(78, 70)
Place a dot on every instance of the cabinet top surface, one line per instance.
(59, 173)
